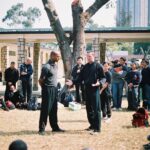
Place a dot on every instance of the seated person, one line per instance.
(14, 96)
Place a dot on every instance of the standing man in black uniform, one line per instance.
(26, 72)
(93, 75)
(75, 73)
(48, 83)
(11, 76)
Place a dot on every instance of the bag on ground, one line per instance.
(32, 104)
(10, 105)
(65, 96)
(140, 118)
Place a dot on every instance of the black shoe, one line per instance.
(58, 130)
(41, 132)
(90, 128)
(95, 132)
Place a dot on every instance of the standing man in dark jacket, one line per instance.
(75, 73)
(48, 83)
(93, 75)
(11, 76)
(26, 72)
(145, 83)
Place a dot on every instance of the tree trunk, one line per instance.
(80, 19)
(79, 46)
(60, 35)
(102, 52)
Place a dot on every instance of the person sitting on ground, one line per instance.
(14, 96)
(18, 145)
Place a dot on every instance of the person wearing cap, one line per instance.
(145, 83)
(122, 61)
(133, 80)
(118, 79)
(125, 67)
(48, 83)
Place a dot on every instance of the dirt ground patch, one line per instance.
(118, 134)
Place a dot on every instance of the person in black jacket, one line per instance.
(75, 73)
(133, 81)
(105, 93)
(145, 83)
(26, 72)
(11, 76)
(13, 95)
(93, 75)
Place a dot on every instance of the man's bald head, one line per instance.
(28, 60)
(55, 56)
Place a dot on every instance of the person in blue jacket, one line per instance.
(26, 72)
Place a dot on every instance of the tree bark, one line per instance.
(60, 36)
(79, 46)
(80, 19)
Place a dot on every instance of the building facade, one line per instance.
(133, 13)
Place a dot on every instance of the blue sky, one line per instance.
(104, 16)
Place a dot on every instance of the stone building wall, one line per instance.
(18, 53)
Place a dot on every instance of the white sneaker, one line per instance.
(104, 118)
(119, 109)
(108, 120)
(114, 109)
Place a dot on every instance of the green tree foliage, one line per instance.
(17, 17)
(141, 48)
(121, 46)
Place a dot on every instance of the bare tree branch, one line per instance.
(94, 8)
(60, 36)
(78, 29)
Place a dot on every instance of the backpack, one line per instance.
(32, 104)
(10, 105)
(140, 118)
(68, 98)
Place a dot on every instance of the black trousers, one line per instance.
(93, 107)
(27, 89)
(105, 104)
(48, 108)
(79, 87)
(132, 98)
